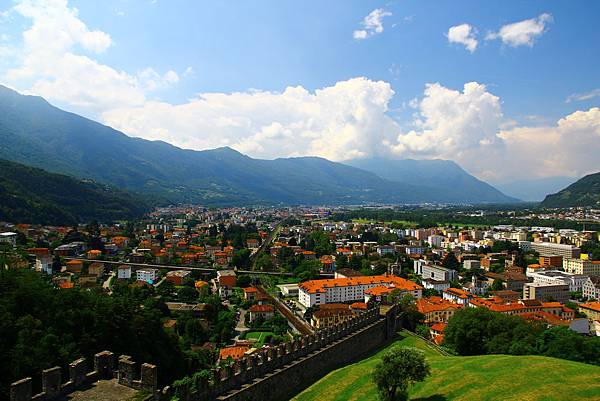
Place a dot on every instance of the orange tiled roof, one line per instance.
(359, 305)
(261, 308)
(236, 352)
(314, 286)
(435, 304)
(250, 290)
(379, 290)
(595, 306)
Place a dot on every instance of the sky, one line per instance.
(509, 90)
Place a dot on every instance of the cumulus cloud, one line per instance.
(55, 61)
(343, 121)
(463, 34)
(522, 33)
(372, 24)
(578, 97)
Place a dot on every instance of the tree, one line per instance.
(497, 285)
(399, 368)
(450, 261)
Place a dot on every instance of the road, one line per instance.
(106, 283)
(174, 267)
(300, 325)
(241, 326)
(264, 245)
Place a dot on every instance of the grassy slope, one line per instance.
(488, 377)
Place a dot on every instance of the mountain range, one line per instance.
(583, 192)
(444, 175)
(35, 133)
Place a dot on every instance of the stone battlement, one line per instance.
(105, 368)
(264, 361)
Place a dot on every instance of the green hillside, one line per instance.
(584, 192)
(31, 195)
(473, 378)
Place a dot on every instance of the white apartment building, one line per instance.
(581, 266)
(43, 263)
(472, 264)
(591, 288)
(574, 281)
(551, 249)
(433, 272)
(147, 274)
(319, 292)
(9, 238)
(124, 272)
(435, 241)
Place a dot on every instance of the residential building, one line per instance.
(457, 296)
(227, 280)
(591, 288)
(431, 284)
(551, 261)
(434, 272)
(9, 238)
(385, 250)
(581, 266)
(319, 292)
(250, 293)
(124, 272)
(74, 266)
(435, 241)
(552, 249)
(147, 275)
(546, 292)
(591, 310)
(575, 281)
(177, 276)
(261, 311)
(331, 314)
(43, 262)
(415, 250)
(472, 264)
(289, 290)
(96, 269)
(436, 309)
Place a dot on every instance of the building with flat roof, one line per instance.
(552, 249)
(581, 266)
(546, 292)
(574, 281)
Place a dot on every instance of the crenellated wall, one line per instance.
(104, 369)
(280, 372)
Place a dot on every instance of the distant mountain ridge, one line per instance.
(35, 133)
(583, 192)
(444, 175)
(534, 189)
(31, 195)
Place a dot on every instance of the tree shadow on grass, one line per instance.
(435, 397)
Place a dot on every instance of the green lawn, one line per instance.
(259, 336)
(487, 377)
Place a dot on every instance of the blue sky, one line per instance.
(165, 56)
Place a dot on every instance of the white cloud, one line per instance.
(372, 24)
(50, 62)
(523, 32)
(578, 97)
(343, 121)
(463, 34)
